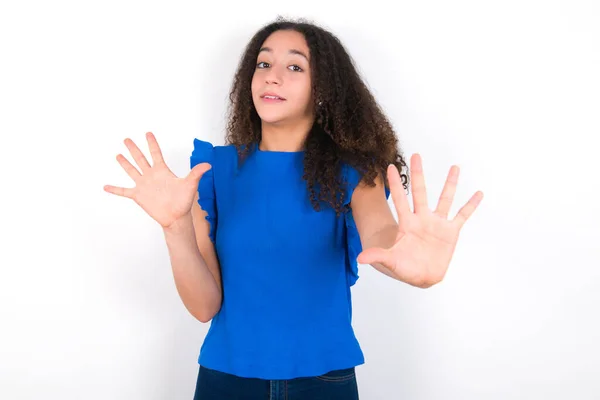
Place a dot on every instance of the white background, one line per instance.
(509, 91)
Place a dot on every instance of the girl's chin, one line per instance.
(272, 118)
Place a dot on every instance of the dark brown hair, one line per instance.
(350, 127)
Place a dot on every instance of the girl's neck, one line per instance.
(284, 137)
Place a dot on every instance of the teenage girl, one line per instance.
(265, 233)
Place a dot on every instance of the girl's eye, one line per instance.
(294, 67)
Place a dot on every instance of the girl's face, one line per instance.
(281, 84)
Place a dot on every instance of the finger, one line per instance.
(137, 155)
(119, 191)
(196, 173)
(468, 209)
(418, 184)
(128, 167)
(155, 152)
(447, 196)
(398, 194)
(373, 255)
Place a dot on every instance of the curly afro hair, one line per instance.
(349, 126)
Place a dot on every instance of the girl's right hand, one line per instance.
(164, 196)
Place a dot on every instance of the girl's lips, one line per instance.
(269, 99)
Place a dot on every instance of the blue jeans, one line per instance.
(334, 385)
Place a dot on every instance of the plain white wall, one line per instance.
(507, 90)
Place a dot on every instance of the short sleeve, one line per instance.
(354, 245)
(204, 152)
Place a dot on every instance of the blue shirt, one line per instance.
(286, 268)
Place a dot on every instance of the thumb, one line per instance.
(372, 255)
(196, 173)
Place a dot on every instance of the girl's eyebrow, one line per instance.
(291, 51)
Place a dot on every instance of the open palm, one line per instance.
(426, 239)
(163, 195)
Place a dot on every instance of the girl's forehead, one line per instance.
(286, 40)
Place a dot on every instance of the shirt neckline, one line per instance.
(275, 152)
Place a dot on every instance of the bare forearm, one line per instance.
(195, 283)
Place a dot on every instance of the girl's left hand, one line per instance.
(425, 240)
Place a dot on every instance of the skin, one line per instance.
(282, 70)
(416, 249)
